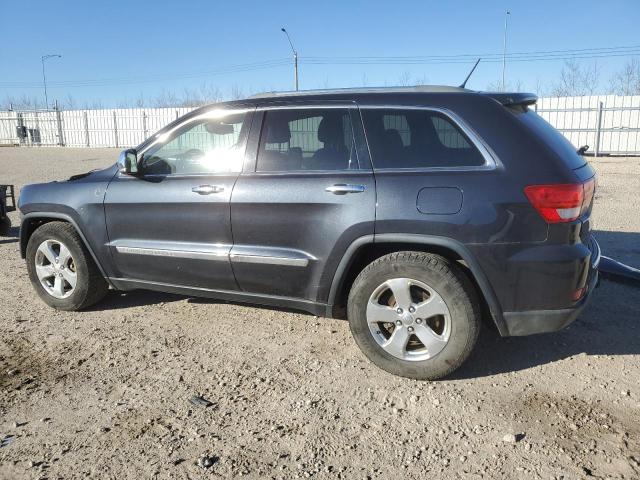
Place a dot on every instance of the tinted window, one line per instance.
(210, 145)
(539, 127)
(306, 139)
(417, 139)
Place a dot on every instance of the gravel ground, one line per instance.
(105, 393)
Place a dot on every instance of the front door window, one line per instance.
(203, 146)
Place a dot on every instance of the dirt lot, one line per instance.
(105, 393)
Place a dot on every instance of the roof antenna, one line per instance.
(471, 72)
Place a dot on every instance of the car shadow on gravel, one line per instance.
(140, 298)
(116, 300)
(609, 325)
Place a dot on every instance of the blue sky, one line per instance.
(128, 49)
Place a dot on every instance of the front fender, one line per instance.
(80, 202)
(32, 220)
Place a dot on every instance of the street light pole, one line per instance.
(504, 51)
(295, 59)
(44, 77)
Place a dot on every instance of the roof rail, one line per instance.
(364, 90)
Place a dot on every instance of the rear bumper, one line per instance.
(541, 321)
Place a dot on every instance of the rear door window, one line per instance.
(306, 139)
(415, 138)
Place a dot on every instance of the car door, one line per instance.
(170, 223)
(308, 194)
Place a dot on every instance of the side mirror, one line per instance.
(128, 162)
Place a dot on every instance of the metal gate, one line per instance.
(31, 128)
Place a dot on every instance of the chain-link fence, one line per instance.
(609, 124)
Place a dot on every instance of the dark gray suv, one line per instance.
(413, 212)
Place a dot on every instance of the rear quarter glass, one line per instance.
(539, 127)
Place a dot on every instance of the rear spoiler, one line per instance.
(510, 99)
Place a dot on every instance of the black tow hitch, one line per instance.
(615, 271)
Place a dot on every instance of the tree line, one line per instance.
(575, 79)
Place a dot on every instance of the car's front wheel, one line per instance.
(414, 314)
(61, 269)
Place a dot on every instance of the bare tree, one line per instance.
(421, 80)
(404, 80)
(23, 102)
(190, 98)
(576, 80)
(205, 94)
(93, 105)
(211, 93)
(236, 92)
(165, 99)
(540, 89)
(627, 80)
(140, 101)
(69, 103)
(510, 86)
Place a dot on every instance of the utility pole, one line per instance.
(44, 77)
(295, 59)
(504, 51)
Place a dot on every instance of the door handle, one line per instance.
(207, 189)
(343, 189)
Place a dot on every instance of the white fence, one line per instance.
(609, 124)
(122, 127)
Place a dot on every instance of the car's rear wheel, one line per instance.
(61, 269)
(414, 314)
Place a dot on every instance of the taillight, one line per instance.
(589, 191)
(578, 294)
(563, 202)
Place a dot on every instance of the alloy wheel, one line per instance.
(409, 319)
(56, 269)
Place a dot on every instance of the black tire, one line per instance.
(453, 286)
(91, 286)
(5, 226)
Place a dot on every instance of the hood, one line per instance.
(61, 195)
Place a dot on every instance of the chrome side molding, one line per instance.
(157, 252)
(286, 261)
(245, 255)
